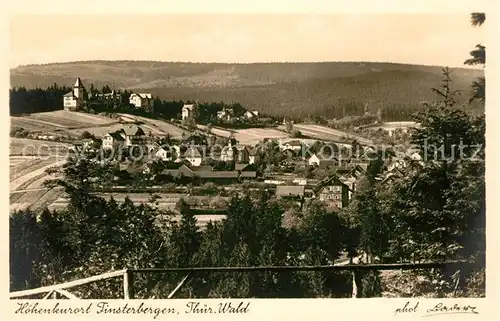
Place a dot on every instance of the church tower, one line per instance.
(78, 89)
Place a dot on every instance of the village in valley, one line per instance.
(194, 158)
(149, 179)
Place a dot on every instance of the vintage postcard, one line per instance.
(174, 163)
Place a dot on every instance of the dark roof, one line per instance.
(290, 190)
(241, 148)
(78, 83)
(70, 94)
(182, 170)
(116, 135)
(251, 174)
(244, 167)
(203, 168)
(329, 181)
(227, 150)
(293, 143)
(217, 174)
(253, 151)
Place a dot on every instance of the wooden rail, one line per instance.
(128, 275)
(66, 285)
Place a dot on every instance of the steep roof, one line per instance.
(145, 95)
(70, 94)
(132, 130)
(116, 135)
(192, 152)
(78, 83)
(290, 190)
(329, 181)
(240, 167)
(229, 150)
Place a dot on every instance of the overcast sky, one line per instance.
(417, 39)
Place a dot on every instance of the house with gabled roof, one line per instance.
(187, 111)
(229, 153)
(333, 191)
(133, 134)
(294, 145)
(253, 155)
(313, 160)
(193, 155)
(141, 100)
(225, 114)
(113, 140)
(251, 114)
(243, 154)
(74, 100)
(165, 154)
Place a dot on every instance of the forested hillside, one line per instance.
(298, 90)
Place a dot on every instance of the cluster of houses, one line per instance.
(189, 157)
(194, 151)
(188, 160)
(75, 99)
(226, 114)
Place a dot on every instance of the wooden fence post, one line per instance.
(128, 285)
(354, 285)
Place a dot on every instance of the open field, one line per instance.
(248, 136)
(75, 123)
(165, 202)
(326, 133)
(60, 122)
(29, 174)
(59, 119)
(157, 126)
(97, 131)
(252, 136)
(394, 124)
(31, 147)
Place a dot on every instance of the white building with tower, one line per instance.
(73, 100)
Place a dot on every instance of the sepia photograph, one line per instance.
(247, 156)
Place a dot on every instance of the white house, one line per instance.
(228, 153)
(253, 155)
(294, 145)
(127, 136)
(133, 135)
(113, 140)
(193, 156)
(314, 160)
(164, 154)
(73, 100)
(225, 114)
(251, 114)
(187, 111)
(141, 100)
(243, 154)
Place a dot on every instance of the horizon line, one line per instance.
(247, 63)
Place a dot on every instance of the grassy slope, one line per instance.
(299, 89)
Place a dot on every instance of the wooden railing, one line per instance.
(128, 276)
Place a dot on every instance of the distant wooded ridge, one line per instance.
(299, 90)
